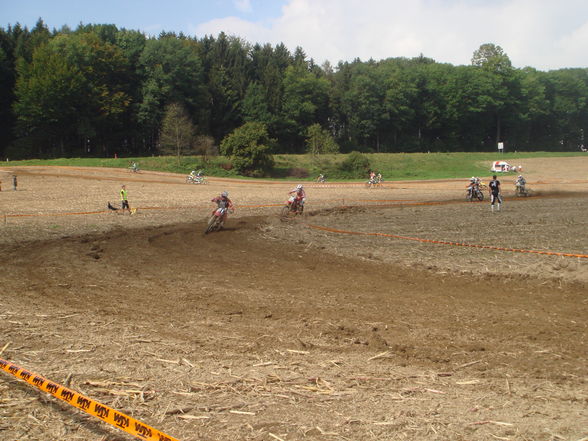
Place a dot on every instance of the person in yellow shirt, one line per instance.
(124, 200)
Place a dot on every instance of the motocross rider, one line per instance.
(223, 201)
(521, 182)
(299, 195)
(472, 186)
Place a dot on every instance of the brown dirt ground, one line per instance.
(274, 330)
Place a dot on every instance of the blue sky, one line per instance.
(544, 34)
(150, 16)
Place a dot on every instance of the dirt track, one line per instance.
(274, 330)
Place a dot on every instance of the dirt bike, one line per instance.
(190, 179)
(474, 193)
(376, 181)
(293, 207)
(521, 191)
(215, 222)
(321, 179)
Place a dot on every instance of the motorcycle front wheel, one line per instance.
(213, 224)
(285, 212)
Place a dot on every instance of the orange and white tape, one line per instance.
(107, 414)
(443, 242)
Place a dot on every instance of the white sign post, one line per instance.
(500, 147)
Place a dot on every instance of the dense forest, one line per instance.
(99, 90)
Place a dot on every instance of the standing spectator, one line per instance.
(494, 188)
(124, 201)
(14, 182)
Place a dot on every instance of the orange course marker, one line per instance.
(107, 414)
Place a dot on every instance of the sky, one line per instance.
(544, 34)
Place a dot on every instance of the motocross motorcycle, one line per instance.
(521, 190)
(215, 222)
(293, 207)
(473, 193)
(190, 179)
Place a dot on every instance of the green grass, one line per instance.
(393, 166)
(415, 166)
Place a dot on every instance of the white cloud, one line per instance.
(539, 33)
(249, 31)
(243, 5)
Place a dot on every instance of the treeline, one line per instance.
(100, 90)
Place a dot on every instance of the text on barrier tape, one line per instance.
(88, 405)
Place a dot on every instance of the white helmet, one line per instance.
(225, 194)
(299, 187)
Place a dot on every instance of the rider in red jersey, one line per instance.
(223, 201)
(299, 195)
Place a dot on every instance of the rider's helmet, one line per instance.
(473, 179)
(299, 187)
(520, 176)
(225, 194)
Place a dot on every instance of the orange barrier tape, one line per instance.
(442, 242)
(78, 213)
(107, 414)
(55, 214)
(375, 202)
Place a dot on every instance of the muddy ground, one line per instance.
(274, 330)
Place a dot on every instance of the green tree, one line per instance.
(72, 90)
(364, 103)
(172, 72)
(492, 58)
(49, 94)
(6, 100)
(503, 97)
(226, 66)
(177, 131)
(567, 92)
(356, 165)
(305, 103)
(249, 148)
(320, 141)
(255, 106)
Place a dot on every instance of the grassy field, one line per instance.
(393, 166)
